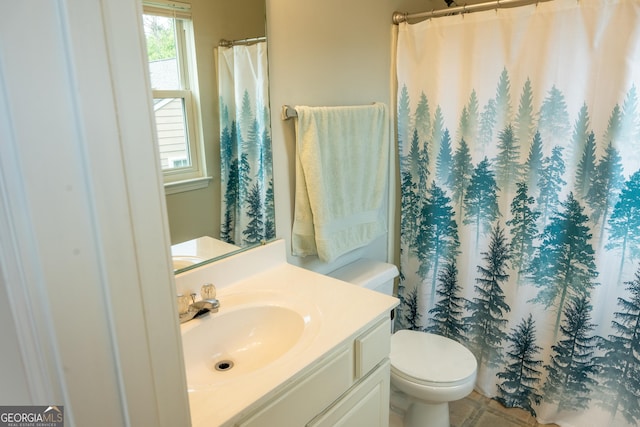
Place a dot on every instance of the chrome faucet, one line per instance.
(208, 304)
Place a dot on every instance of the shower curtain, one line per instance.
(519, 144)
(245, 145)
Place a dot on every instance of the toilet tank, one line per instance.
(368, 273)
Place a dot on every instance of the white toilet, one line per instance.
(427, 371)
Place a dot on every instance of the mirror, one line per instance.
(219, 219)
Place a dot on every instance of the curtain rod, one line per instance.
(229, 43)
(399, 17)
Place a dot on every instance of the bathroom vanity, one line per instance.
(304, 349)
(349, 386)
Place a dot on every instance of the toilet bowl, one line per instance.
(431, 371)
(427, 371)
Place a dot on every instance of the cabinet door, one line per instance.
(366, 405)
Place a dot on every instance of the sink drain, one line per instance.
(224, 365)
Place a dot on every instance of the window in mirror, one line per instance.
(169, 37)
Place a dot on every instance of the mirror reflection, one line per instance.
(245, 143)
(208, 71)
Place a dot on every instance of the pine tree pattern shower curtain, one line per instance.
(519, 144)
(245, 145)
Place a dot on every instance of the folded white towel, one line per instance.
(342, 161)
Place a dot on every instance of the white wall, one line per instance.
(329, 52)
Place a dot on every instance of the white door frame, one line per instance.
(84, 244)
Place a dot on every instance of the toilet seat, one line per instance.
(430, 359)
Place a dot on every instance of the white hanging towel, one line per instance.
(342, 162)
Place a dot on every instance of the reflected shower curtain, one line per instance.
(519, 142)
(245, 145)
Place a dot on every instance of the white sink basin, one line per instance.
(249, 333)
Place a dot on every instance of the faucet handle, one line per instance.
(208, 291)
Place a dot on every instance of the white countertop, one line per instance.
(202, 249)
(344, 312)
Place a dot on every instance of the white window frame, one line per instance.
(194, 176)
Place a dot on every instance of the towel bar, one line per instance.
(288, 112)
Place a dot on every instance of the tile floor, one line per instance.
(479, 411)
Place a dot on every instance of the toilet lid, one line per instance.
(430, 358)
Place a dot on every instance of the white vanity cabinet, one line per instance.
(349, 386)
(335, 371)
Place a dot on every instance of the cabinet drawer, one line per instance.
(310, 396)
(372, 347)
